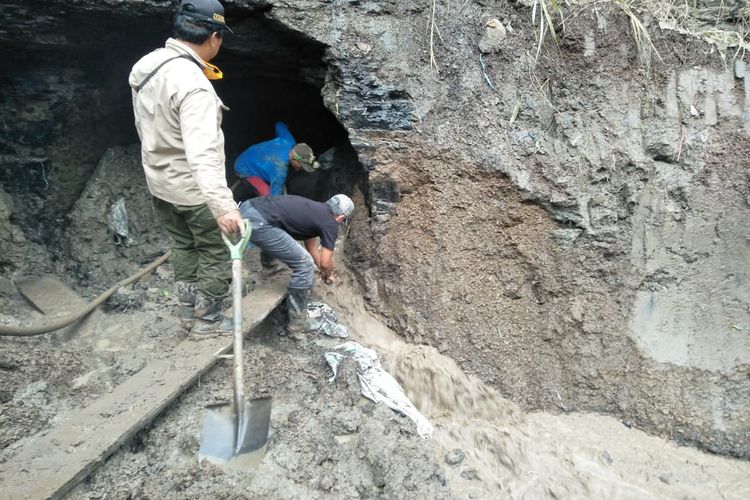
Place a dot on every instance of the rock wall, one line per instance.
(572, 229)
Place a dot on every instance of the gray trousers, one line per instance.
(277, 243)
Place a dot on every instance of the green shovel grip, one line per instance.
(236, 249)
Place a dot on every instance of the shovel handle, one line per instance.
(238, 385)
(236, 249)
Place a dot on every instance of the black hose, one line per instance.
(28, 331)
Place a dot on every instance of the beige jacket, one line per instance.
(178, 117)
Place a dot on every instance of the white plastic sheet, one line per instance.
(377, 384)
(117, 219)
(323, 319)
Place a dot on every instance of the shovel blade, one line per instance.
(253, 429)
(217, 437)
(227, 442)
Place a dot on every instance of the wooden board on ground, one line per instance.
(50, 295)
(53, 463)
(56, 300)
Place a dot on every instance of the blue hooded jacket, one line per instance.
(268, 160)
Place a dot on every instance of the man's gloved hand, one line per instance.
(230, 222)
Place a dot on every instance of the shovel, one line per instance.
(235, 434)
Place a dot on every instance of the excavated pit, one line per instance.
(570, 231)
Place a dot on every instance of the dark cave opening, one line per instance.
(257, 104)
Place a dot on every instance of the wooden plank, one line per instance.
(50, 295)
(53, 298)
(52, 464)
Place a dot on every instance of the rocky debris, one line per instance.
(494, 36)
(454, 457)
(125, 299)
(666, 478)
(100, 247)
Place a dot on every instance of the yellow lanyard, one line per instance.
(212, 72)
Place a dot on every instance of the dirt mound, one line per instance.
(113, 229)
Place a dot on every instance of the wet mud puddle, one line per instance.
(490, 448)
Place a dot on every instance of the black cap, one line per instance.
(208, 11)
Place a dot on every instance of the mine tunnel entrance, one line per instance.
(256, 104)
(274, 74)
(66, 102)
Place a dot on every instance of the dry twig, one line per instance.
(433, 61)
(682, 141)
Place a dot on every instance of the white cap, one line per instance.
(341, 204)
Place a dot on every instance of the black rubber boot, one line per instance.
(209, 318)
(296, 306)
(269, 265)
(186, 298)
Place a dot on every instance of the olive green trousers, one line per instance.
(199, 255)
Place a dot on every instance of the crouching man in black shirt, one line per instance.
(277, 221)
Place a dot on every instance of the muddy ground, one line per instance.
(326, 440)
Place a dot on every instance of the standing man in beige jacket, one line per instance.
(178, 116)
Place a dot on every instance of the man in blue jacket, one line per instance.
(264, 166)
